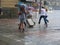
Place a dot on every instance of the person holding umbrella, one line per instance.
(22, 18)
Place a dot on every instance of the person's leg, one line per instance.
(45, 20)
(40, 19)
(25, 23)
(21, 26)
(19, 22)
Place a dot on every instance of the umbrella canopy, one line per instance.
(31, 8)
(18, 5)
(22, 4)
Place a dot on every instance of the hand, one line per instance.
(19, 13)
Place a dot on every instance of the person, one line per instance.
(43, 15)
(22, 17)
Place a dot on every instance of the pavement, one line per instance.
(38, 35)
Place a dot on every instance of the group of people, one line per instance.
(23, 13)
(43, 15)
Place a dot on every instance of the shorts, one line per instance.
(21, 19)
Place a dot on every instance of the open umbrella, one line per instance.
(21, 4)
(31, 8)
(24, 5)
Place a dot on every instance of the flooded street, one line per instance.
(38, 35)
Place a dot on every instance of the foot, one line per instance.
(47, 21)
(19, 28)
(22, 30)
(25, 23)
(38, 22)
(46, 25)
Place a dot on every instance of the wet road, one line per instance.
(39, 35)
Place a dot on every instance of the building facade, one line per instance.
(8, 8)
(8, 3)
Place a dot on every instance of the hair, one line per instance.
(22, 8)
(43, 7)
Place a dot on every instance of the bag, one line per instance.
(30, 22)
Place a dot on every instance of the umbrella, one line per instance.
(24, 5)
(18, 5)
(31, 8)
(21, 4)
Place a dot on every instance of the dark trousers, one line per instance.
(45, 19)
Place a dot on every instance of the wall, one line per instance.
(8, 3)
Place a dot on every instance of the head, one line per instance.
(43, 7)
(22, 8)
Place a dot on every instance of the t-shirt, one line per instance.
(43, 12)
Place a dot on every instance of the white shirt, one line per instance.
(43, 12)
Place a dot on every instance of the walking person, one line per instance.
(0, 10)
(43, 15)
(22, 18)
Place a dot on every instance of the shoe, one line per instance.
(47, 21)
(22, 30)
(46, 25)
(38, 22)
(19, 28)
(25, 23)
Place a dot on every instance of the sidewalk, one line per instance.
(38, 35)
(6, 21)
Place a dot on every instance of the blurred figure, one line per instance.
(22, 18)
(43, 15)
